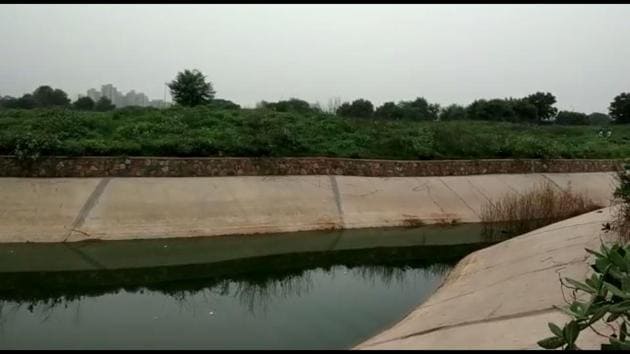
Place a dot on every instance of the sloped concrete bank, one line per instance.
(121, 208)
(503, 296)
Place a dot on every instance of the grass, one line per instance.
(204, 131)
(516, 214)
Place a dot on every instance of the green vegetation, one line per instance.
(607, 300)
(606, 294)
(46, 123)
(230, 131)
(572, 118)
(191, 89)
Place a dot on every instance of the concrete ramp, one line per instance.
(122, 208)
(503, 296)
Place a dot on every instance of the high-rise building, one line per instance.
(94, 95)
(131, 98)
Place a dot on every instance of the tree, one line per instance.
(419, 109)
(524, 110)
(491, 110)
(358, 108)
(572, 118)
(84, 103)
(543, 101)
(8, 102)
(191, 89)
(104, 104)
(620, 108)
(453, 112)
(597, 118)
(291, 105)
(27, 101)
(46, 96)
(389, 110)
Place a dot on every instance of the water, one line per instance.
(311, 290)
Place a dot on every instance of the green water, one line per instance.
(310, 290)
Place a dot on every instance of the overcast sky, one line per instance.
(445, 53)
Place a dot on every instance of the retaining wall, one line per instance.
(119, 208)
(59, 166)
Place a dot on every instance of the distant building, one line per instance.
(131, 98)
(94, 95)
(159, 104)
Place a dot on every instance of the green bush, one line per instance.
(608, 300)
(208, 131)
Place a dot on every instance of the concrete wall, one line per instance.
(76, 209)
(503, 296)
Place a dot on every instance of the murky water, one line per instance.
(311, 290)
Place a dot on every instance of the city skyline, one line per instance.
(118, 99)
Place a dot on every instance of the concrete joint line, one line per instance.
(479, 191)
(337, 196)
(552, 182)
(486, 320)
(510, 278)
(87, 207)
(460, 198)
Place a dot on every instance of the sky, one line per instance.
(445, 53)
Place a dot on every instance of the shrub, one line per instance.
(534, 147)
(596, 118)
(31, 146)
(453, 112)
(515, 214)
(218, 103)
(291, 105)
(84, 103)
(239, 132)
(491, 110)
(358, 108)
(572, 118)
(389, 110)
(607, 299)
(419, 109)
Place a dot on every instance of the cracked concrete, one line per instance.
(502, 297)
(120, 208)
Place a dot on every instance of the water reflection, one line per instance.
(269, 285)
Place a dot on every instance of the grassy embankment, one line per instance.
(255, 132)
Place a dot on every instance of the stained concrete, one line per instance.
(503, 296)
(77, 209)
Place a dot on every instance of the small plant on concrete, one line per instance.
(607, 300)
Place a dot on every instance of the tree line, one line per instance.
(190, 88)
(47, 97)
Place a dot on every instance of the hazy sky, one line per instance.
(445, 53)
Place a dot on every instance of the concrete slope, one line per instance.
(76, 209)
(502, 297)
